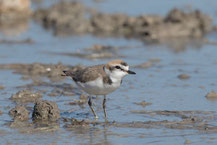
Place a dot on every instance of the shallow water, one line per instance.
(157, 84)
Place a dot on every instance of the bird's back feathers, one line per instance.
(88, 74)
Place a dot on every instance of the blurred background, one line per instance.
(171, 45)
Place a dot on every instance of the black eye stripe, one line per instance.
(117, 67)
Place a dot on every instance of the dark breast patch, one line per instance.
(107, 80)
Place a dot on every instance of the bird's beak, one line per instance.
(131, 72)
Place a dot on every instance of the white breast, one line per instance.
(97, 87)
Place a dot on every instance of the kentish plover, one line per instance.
(100, 79)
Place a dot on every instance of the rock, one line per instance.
(19, 113)
(26, 96)
(211, 95)
(45, 111)
(183, 76)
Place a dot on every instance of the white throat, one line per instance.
(115, 80)
(115, 76)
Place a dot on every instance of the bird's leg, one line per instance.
(90, 105)
(104, 105)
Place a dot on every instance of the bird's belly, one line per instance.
(97, 87)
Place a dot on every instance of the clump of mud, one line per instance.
(147, 64)
(45, 111)
(19, 113)
(143, 103)
(75, 122)
(36, 71)
(59, 91)
(183, 76)
(69, 11)
(92, 56)
(74, 17)
(14, 15)
(211, 95)
(197, 120)
(81, 101)
(94, 52)
(8, 6)
(102, 48)
(25, 41)
(2, 87)
(26, 95)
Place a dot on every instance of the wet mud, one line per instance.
(196, 120)
(45, 111)
(2, 87)
(91, 56)
(148, 64)
(26, 95)
(14, 16)
(211, 95)
(37, 71)
(81, 101)
(183, 76)
(25, 41)
(48, 111)
(19, 113)
(177, 23)
(143, 103)
(95, 52)
(67, 118)
(52, 90)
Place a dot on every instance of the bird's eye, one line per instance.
(117, 67)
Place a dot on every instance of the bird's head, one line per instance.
(117, 69)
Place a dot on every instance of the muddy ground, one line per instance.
(171, 99)
(48, 111)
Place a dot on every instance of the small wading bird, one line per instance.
(100, 79)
